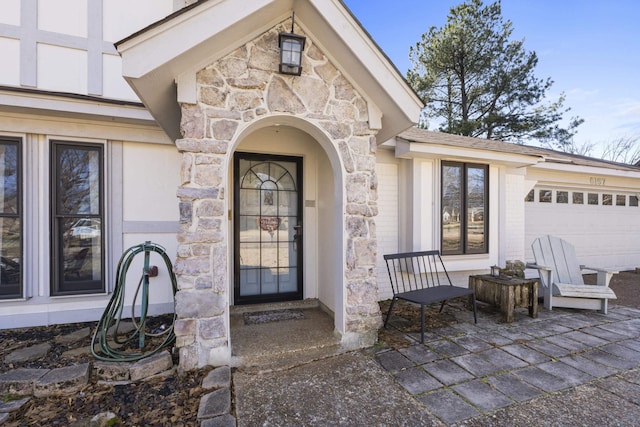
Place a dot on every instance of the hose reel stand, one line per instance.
(115, 349)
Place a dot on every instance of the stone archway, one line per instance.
(236, 96)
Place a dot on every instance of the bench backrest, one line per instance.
(409, 271)
(559, 255)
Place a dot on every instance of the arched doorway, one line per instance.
(288, 233)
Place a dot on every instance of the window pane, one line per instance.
(11, 258)
(621, 200)
(592, 198)
(475, 209)
(578, 198)
(77, 250)
(10, 221)
(633, 200)
(562, 197)
(545, 196)
(451, 208)
(607, 199)
(530, 196)
(81, 249)
(9, 170)
(79, 181)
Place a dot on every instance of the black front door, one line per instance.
(267, 228)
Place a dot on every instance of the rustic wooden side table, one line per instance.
(506, 292)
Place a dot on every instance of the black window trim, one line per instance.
(464, 250)
(56, 263)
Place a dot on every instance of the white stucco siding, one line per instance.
(387, 221)
(151, 176)
(67, 45)
(514, 217)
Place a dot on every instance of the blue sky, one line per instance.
(589, 48)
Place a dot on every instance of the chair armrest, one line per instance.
(538, 267)
(603, 276)
(599, 270)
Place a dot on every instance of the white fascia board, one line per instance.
(352, 50)
(198, 33)
(408, 150)
(60, 105)
(591, 170)
(73, 127)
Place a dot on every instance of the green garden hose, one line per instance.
(117, 348)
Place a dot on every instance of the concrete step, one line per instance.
(278, 361)
(282, 344)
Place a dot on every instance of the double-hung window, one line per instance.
(465, 208)
(77, 218)
(11, 265)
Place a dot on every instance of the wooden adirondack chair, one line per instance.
(561, 277)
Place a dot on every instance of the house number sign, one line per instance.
(596, 181)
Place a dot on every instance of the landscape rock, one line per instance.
(123, 328)
(20, 381)
(151, 365)
(28, 354)
(104, 419)
(218, 378)
(73, 337)
(112, 371)
(13, 405)
(215, 404)
(62, 381)
(225, 420)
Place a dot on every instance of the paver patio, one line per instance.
(463, 370)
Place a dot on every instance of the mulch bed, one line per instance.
(171, 400)
(156, 402)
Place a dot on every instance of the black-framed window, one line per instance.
(11, 259)
(77, 218)
(465, 208)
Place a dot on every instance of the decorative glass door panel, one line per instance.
(268, 228)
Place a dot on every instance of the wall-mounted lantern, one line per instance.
(291, 47)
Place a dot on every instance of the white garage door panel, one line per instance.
(604, 236)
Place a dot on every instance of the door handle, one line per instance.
(297, 236)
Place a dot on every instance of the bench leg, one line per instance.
(472, 297)
(421, 323)
(386, 320)
(442, 306)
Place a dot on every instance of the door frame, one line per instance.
(278, 297)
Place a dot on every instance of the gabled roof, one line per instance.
(540, 155)
(155, 57)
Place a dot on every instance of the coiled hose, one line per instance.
(111, 349)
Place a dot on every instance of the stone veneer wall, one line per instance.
(240, 88)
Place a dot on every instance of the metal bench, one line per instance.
(421, 278)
